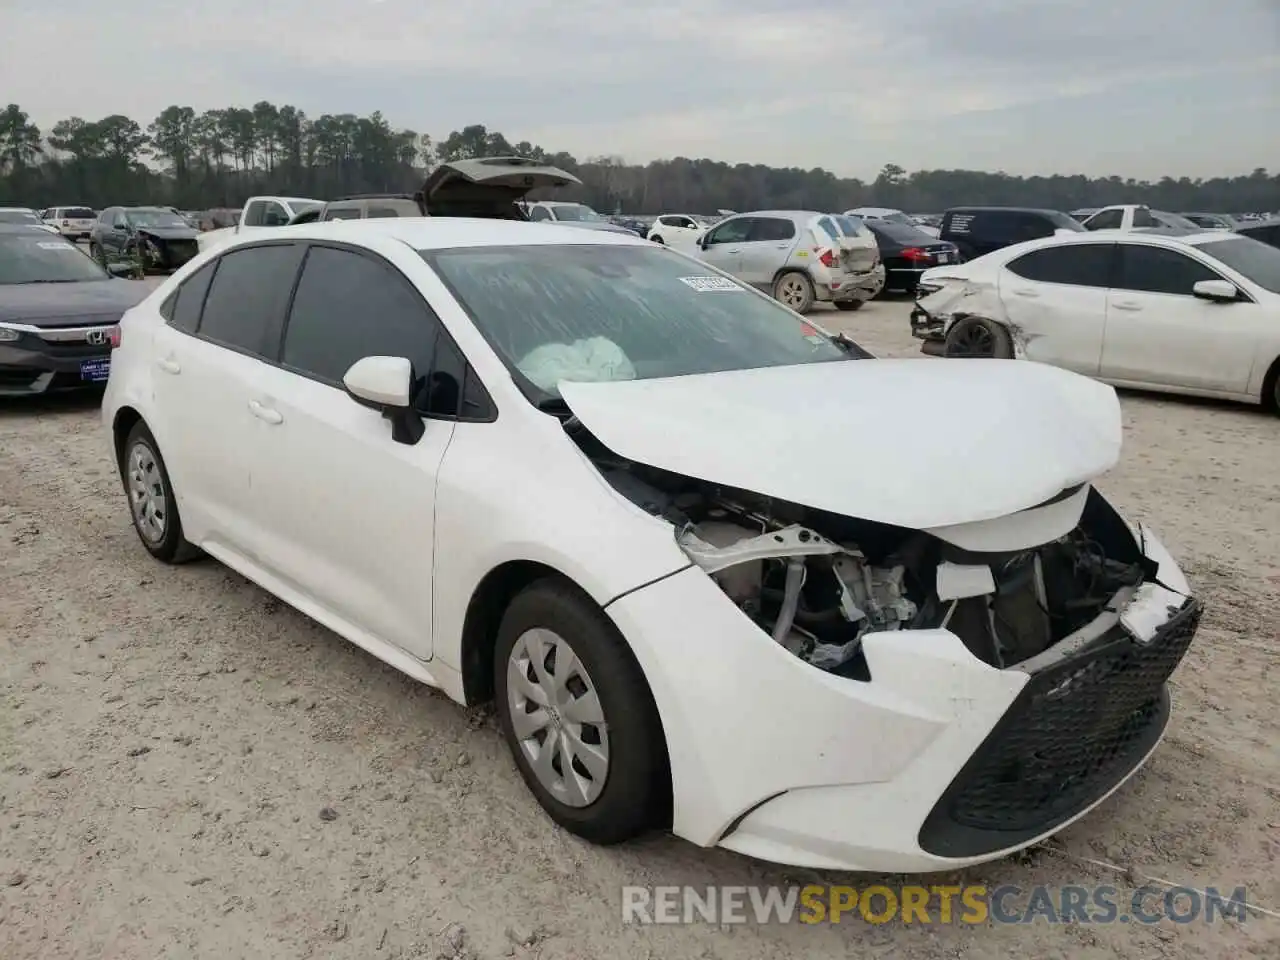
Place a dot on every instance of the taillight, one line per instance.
(915, 253)
(827, 258)
(113, 336)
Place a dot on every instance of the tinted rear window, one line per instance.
(78, 213)
(249, 293)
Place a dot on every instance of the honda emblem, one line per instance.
(97, 337)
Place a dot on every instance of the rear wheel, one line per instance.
(848, 305)
(95, 251)
(577, 715)
(152, 502)
(795, 290)
(656, 238)
(978, 337)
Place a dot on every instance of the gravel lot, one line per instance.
(170, 736)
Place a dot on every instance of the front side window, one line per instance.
(539, 213)
(248, 296)
(348, 307)
(1159, 270)
(731, 231)
(348, 211)
(1076, 264)
(41, 257)
(274, 215)
(605, 312)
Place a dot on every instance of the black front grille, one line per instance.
(1074, 732)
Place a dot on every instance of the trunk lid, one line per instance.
(488, 186)
(916, 445)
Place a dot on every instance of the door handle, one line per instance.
(1127, 305)
(169, 365)
(265, 414)
(1029, 294)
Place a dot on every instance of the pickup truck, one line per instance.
(259, 213)
(1138, 217)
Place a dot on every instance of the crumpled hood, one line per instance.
(67, 303)
(170, 233)
(911, 443)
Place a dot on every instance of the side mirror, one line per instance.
(385, 384)
(1219, 291)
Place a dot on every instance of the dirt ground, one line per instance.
(169, 738)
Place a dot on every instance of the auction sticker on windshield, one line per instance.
(56, 245)
(710, 284)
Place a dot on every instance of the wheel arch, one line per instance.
(1270, 398)
(489, 601)
(124, 420)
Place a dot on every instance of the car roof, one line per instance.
(438, 233)
(793, 214)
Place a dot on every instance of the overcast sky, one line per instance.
(1138, 88)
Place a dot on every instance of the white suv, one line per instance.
(74, 223)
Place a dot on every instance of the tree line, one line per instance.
(218, 158)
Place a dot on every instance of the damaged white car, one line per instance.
(665, 523)
(1196, 314)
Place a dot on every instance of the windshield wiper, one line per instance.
(554, 405)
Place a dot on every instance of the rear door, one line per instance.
(767, 250)
(724, 243)
(1055, 299)
(1158, 332)
(209, 360)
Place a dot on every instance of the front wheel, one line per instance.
(577, 715)
(795, 290)
(657, 239)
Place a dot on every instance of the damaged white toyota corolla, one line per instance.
(667, 525)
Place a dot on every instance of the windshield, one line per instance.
(1258, 261)
(154, 218)
(604, 312)
(18, 216)
(575, 211)
(42, 258)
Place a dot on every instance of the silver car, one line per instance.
(799, 256)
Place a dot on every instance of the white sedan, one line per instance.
(628, 498)
(1196, 314)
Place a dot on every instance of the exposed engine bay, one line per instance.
(818, 583)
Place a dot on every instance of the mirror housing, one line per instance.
(1219, 291)
(385, 384)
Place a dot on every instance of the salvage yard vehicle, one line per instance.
(58, 313)
(74, 223)
(1197, 314)
(571, 214)
(890, 215)
(676, 230)
(976, 231)
(800, 256)
(26, 217)
(598, 505)
(154, 237)
(907, 253)
(1138, 216)
(258, 214)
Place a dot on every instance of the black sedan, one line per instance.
(1265, 231)
(907, 252)
(153, 237)
(58, 313)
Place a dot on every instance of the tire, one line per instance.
(149, 491)
(624, 794)
(659, 240)
(795, 290)
(1271, 389)
(849, 305)
(978, 337)
(96, 252)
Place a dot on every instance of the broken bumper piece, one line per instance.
(935, 762)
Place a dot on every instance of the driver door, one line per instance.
(724, 244)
